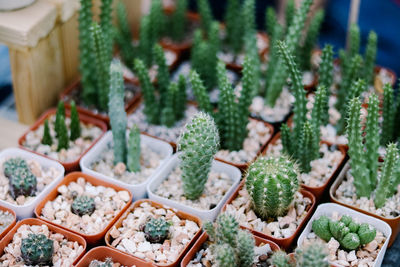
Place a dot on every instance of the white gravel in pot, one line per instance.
(364, 256)
(281, 227)
(99, 263)
(131, 239)
(6, 218)
(108, 203)
(65, 251)
(215, 188)
(89, 133)
(44, 176)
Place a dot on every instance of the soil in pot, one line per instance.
(131, 236)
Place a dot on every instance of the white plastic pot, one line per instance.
(138, 190)
(329, 208)
(233, 173)
(26, 210)
(6, 5)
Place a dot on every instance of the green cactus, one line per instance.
(248, 18)
(162, 73)
(234, 27)
(288, 146)
(270, 21)
(313, 255)
(157, 230)
(46, 139)
(245, 248)
(354, 44)
(388, 115)
(63, 140)
(180, 99)
(366, 233)
(210, 229)
(22, 182)
(290, 10)
(338, 229)
(167, 113)
(133, 150)
(225, 255)
(370, 57)
(83, 205)
(318, 113)
(59, 113)
(75, 123)
(37, 249)
(200, 92)
(96, 263)
(326, 68)
(13, 164)
(227, 229)
(320, 227)
(280, 259)
(117, 112)
(107, 27)
(278, 177)
(350, 241)
(308, 153)
(206, 16)
(146, 42)
(157, 21)
(178, 20)
(198, 144)
(123, 36)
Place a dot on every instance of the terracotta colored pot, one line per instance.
(318, 191)
(71, 165)
(178, 213)
(8, 228)
(284, 243)
(204, 237)
(101, 253)
(76, 85)
(394, 223)
(70, 236)
(73, 177)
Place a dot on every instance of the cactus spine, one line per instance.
(133, 150)
(280, 259)
(180, 99)
(21, 180)
(200, 139)
(314, 255)
(162, 73)
(372, 141)
(75, 124)
(37, 249)
(370, 56)
(83, 205)
(46, 140)
(272, 183)
(167, 113)
(326, 78)
(157, 230)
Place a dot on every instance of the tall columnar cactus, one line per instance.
(157, 21)
(162, 72)
(372, 141)
(180, 99)
(206, 16)
(388, 114)
(270, 20)
(273, 57)
(167, 113)
(37, 249)
(200, 92)
(63, 140)
(75, 125)
(59, 114)
(178, 20)
(370, 56)
(308, 153)
(145, 41)
(116, 112)
(248, 16)
(198, 143)
(272, 184)
(290, 10)
(326, 67)
(313, 255)
(46, 140)
(234, 27)
(102, 62)
(123, 36)
(133, 150)
(318, 112)
(107, 27)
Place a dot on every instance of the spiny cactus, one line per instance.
(178, 20)
(167, 113)
(234, 27)
(206, 16)
(157, 21)
(276, 176)
(162, 73)
(280, 259)
(63, 140)
(308, 153)
(313, 255)
(37, 249)
(227, 229)
(107, 263)
(157, 230)
(198, 144)
(145, 41)
(225, 255)
(180, 98)
(107, 27)
(354, 44)
(248, 17)
(318, 113)
(245, 248)
(200, 92)
(326, 67)
(46, 140)
(290, 10)
(83, 205)
(133, 150)
(59, 113)
(270, 20)
(117, 112)
(22, 183)
(13, 164)
(75, 123)
(388, 114)
(370, 56)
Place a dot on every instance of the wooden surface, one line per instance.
(10, 132)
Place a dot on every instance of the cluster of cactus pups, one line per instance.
(21, 180)
(156, 230)
(83, 205)
(37, 249)
(346, 231)
(61, 129)
(313, 255)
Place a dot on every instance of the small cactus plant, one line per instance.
(22, 183)
(60, 112)
(133, 150)
(37, 249)
(272, 184)
(13, 164)
(370, 56)
(313, 255)
(280, 259)
(178, 21)
(63, 140)
(46, 139)
(75, 123)
(157, 230)
(83, 205)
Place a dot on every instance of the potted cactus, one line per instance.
(351, 238)
(192, 181)
(84, 205)
(40, 244)
(124, 157)
(64, 135)
(154, 233)
(278, 215)
(364, 183)
(225, 244)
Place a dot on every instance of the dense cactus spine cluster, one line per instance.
(200, 92)
(22, 182)
(133, 150)
(313, 255)
(388, 115)
(37, 249)
(83, 205)
(280, 259)
(156, 230)
(46, 139)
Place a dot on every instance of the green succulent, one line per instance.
(83, 205)
(157, 230)
(37, 249)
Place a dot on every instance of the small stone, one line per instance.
(124, 195)
(120, 168)
(371, 246)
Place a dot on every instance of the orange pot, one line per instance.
(8, 228)
(70, 236)
(284, 243)
(72, 177)
(394, 223)
(102, 253)
(71, 165)
(204, 237)
(180, 214)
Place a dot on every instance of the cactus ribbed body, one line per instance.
(272, 183)
(200, 92)
(248, 17)
(372, 141)
(206, 16)
(227, 229)
(234, 27)
(133, 150)
(167, 113)
(123, 36)
(354, 45)
(146, 43)
(317, 115)
(12, 164)
(83, 205)
(180, 99)
(63, 140)
(270, 20)
(326, 67)
(280, 259)
(178, 21)
(225, 255)
(157, 21)
(286, 138)
(290, 10)
(308, 153)
(22, 182)
(313, 255)
(46, 140)
(162, 73)
(157, 230)
(107, 27)
(75, 126)
(370, 56)
(198, 144)
(59, 113)
(321, 228)
(388, 114)
(245, 248)
(37, 249)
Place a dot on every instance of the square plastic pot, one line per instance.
(394, 223)
(209, 215)
(73, 177)
(138, 190)
(70, 165)
(204, 237)
(69, 235)
(14, 221)
(180, 214)
(329, 208)
(26, 210)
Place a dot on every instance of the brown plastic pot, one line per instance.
(70, 165)
(76, 85)
(31, 221)
(8, 228)
(394, 223)
(284, 243)
(180, 214)
(204, 237)
(72, 177)
(318, 191)
(102, 253)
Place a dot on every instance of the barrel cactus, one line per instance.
(22, 183)
(13, 164)
(156, 230)
(272, 183)
(83, 205)
(37, 249)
